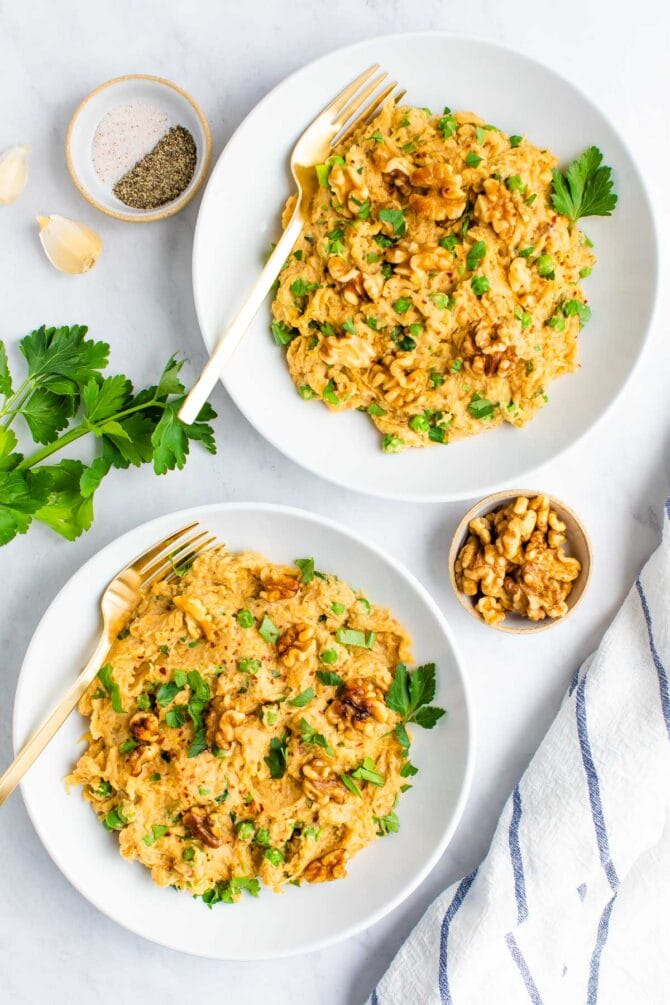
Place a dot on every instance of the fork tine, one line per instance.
(340, 100)
(374, 108)
(189, 557)
(358, 99)
(140, 562)
(163, 559)
(365, 116)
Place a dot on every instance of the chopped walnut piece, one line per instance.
(144, 727)
(194, 609)
(330, 866)
(321, 782)
(359, 705)
(201, 826)
(296, 644)
(279, 584)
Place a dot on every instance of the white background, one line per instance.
(53, 945)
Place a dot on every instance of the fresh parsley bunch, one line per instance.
(65, 397)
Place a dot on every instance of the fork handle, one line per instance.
(233, 334)
(36, 744)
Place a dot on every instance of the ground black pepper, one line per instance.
(162, 175)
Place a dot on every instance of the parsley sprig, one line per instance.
(410, 695)
(585, 189)
(65, 397)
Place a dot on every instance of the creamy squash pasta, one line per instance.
(251, 724)
(434, 286)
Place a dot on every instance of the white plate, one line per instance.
(239, 217)
(297, 920)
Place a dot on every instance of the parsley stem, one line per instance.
(82, 430)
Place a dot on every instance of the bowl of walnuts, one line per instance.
(520, 561)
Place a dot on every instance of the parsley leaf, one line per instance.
(277, 759)
(106, 678)
(309, 735)
(396, 218)
(585, 189)
(303, 698)
(410, 695)
(306, 566)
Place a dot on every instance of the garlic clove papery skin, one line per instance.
(13, 174)
(70, 246)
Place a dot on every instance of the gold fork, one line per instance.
(120, 598)
(358, 103)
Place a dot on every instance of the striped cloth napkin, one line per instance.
(572, 902)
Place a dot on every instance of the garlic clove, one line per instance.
(13, 174)
(70, 246)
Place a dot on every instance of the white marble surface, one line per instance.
(53, 945)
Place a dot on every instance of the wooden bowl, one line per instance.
(577, 545)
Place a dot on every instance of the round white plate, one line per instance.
(239, 218)
(298, 920)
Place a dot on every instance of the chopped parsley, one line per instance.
(157, 831)
(515, 184)
(303, 698)
(106, 678)
(306, 566)
(249, 666)
(282, 333)
(299, 288)
(367, 772)
(274, 856)
(328, 677)
(277, 759)
(354, 637)
(387, 825)
(449, 242)
(268, 631)
(309, 735)
(396, 218)
(447, 124)
(329, 393)
(480, 408)
(570, 309)
(476, 255)
(392, 444)
(226, 892)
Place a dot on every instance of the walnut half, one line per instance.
(330, 866)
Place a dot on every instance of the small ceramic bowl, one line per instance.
(577, 545)
(180, 109)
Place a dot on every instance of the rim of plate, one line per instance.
(486, 487)
(466, 784)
